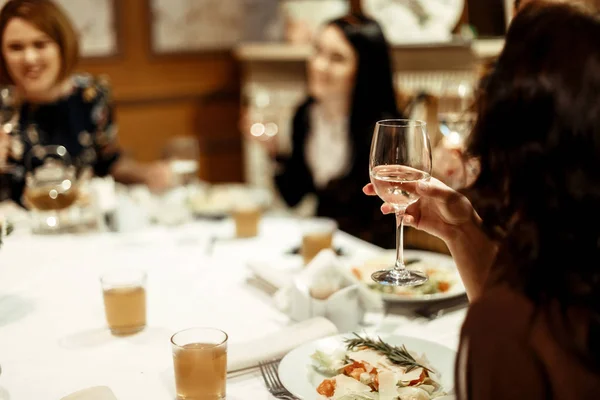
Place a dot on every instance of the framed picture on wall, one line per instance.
(96, 23)
(184, 26)
(192, 26)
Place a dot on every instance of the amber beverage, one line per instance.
(317, 235)
(125, 301)
(200, 363)
(246, 222)
(49, 198)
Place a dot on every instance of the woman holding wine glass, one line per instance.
(528, 247)
(350, 88)
(39, 53)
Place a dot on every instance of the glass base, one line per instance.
(127, 331)
(403, 277)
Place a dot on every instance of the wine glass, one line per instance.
(9, 114)
(183, 155)
(400, 158)
(454, 110)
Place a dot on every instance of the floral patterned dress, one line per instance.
(81, 121)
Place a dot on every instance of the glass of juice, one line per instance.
(317, 234)
(124, 300)
(247, 220)
(200, 363)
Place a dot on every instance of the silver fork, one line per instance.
(271, 377)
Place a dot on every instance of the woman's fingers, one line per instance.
(387, 209)
(369, 190)
(409, 219)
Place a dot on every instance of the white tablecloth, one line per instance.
(53, 338)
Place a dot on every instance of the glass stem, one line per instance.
(399, 266)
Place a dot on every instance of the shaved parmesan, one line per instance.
(412, 393)
(344, 385)
(428, 388)
(387, 385)
(406, 377)
(380, 361)
(372, 357)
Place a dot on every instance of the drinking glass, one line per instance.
(200, 363)
(124, 300)
(9, 115)
(317, 235)
(183, 154)
(455, 115)
(9, 107)
(400, 158)
(247, 220)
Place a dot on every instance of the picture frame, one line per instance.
(201, 26)
(195, 26)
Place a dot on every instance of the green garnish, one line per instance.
(397, 355)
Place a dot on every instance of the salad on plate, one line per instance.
(371, 369)
(443, 277)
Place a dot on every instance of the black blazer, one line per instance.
(342, 199)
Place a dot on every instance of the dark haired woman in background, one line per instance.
(530, 255)
(350, 88)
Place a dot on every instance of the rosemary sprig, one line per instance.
(397, 355)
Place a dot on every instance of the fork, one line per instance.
(271, 378)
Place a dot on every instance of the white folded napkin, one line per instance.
(277, 273)
(274, 346)
(92, 393)
(324, 276)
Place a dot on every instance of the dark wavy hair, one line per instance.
(538, 141)
(589, 3)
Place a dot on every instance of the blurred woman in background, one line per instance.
(530, 255)
(350, 88)
(39, 54)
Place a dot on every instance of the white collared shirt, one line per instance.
(328, 148)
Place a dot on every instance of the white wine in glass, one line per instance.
(400, 159)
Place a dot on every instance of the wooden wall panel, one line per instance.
(158, 97)
(146, 127)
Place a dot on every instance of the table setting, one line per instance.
(52, 314)
(204, 292)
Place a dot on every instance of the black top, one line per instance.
(342, 199)
(81, 121)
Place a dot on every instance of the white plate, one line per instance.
(220, 200)
(298, 376)
(438, 260)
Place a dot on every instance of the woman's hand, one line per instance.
(447, 214)
(441, 211)
(451, 166)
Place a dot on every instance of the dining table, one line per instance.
(53, 334)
